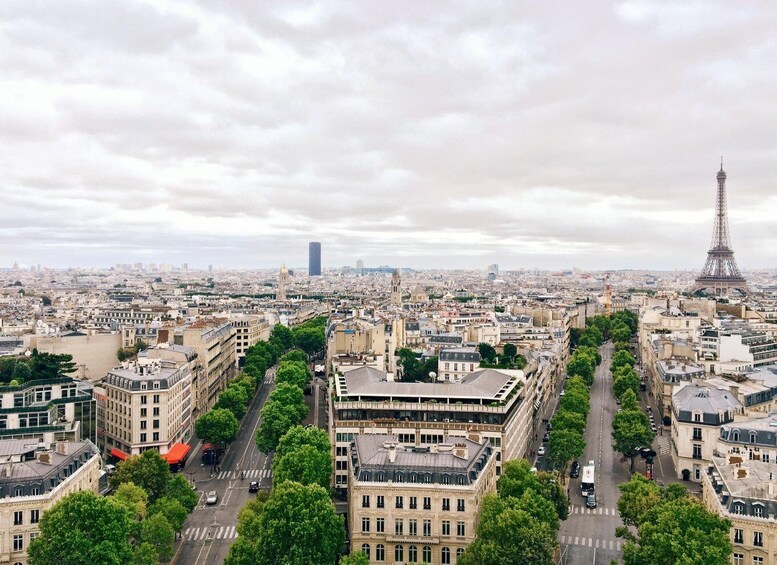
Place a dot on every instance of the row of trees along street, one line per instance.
(296, 523)
(672, 527)
(137, 524)
(519, 524)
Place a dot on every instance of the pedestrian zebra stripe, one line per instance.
(601, 511)
(249, 474)
(598, 543)
(216, 532)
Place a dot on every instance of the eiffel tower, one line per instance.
(720, 273)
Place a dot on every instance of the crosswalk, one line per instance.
(601, 511)
(216, 532)
(613, 545)
(250, 474)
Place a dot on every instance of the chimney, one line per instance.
(9, 468)
(461, 451)
(392, 450)
(44, 457)
(62, 447)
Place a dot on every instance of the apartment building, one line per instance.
(59, 409)
(455, 363)
(499, 405)
(738, 343)
(214, 341)
(149, 406)
(134, 316)
(698, 412)
(412, 504)
(249, 330)
(34, 477)
(744, 492)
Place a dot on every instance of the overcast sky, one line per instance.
(440, 134)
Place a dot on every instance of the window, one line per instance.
(365, 525)
(427, 530)
(399, 502)
(412, 554)
(460, 505)
(427, 503)
(739, 559)
(18, 519)
(34, 516)
(156, 424)
(143, 424)
(446, 527)
(446, 504)
(398, 553)
(143, 412)
(399, 528)
(412, 527)
(427, 554)
(413, 502)
(696, 451)
(697, 417)
(18, 542)
(380, 525)
(459, 552)
(380, 501)
(143, 437)
(445, 556)
(156, 399)
(758, 539)
(460, 528)
(380, 552)
(156, 410)
(752, 437)
(365, 501)
(735, 435)
(758, 511)
(144, 399)
(757, 560)
(697, 434)
(155, 436)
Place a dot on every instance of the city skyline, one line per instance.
(409, 135)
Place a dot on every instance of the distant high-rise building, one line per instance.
(359, 264)
(396, 288)
(314, 259)
(493, 271)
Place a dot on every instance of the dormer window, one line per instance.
(758, 510)
(753, 437)
(735, 435)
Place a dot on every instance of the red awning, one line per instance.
(118, 454)
(177, 453)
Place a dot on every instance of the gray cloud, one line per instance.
(418, 134)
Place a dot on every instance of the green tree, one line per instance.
(563, 447)
(299, 526)
(565, 420)
(309, 340)
(172, 510)
(638, 497)
(509, 351)
(157, 531)
(50, 365)
(577, 385)
(626, 380)
(83, 528)
(539, 508)
(591, 352)
(581, 366)
(218, 427)
(306, 465)
(299, 436)
(277, 419)
(147, 470)
(145, 554)
(629, 401)
(292, 372)
(133, 498)
(179, 489)
(234, 399)
(517, 477)
(574, 402)
(282, 335)
(249, 527)
(22, 372)
(630, 430)
(681, 532)
(487, 352)
(292, 399)
(621, 332)
(622, 358)
(601, 323)
(355, 558)
(295, 355)
(507, 535)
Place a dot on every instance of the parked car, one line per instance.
(212, 497)
(590, 501)
(574, 470)
(541, 451)
(253, 486)
(545, 438)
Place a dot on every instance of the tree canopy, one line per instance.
(218, 426)
(631, 430)
(148, 471)
(563, 447)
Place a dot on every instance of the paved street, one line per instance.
(588, 536)
(210, 530)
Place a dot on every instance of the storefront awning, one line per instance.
(118, 454)
(177, 453)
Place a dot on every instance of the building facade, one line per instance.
(34, 477)
(314, 259)
(455, 363)
(413, 504)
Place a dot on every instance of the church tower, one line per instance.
(283, 279)
(396, 288)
